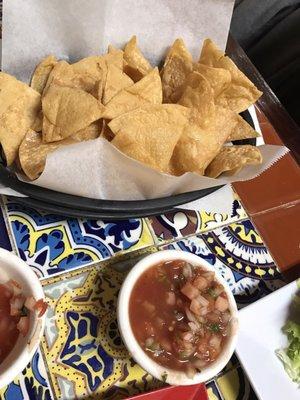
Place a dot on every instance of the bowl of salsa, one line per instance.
(22, 315)
(177, 317)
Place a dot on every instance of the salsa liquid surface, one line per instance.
(162, 320)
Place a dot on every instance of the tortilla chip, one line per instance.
(241, 92)
(15, 122)
(41, 73)
(219, 78)
(116, 80)
(94, 65)
(60, 69)
(10, 91)
(33, 151)
(198, 146)
(137, 66)
(89, 133)
(232, 159)
(242, 130)
(178, 65)
(147, 91)
(38, 122)
(106, 132)
(66, 111)
(149, 134)
(198, 94)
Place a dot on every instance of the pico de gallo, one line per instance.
(180, 315)
(15, 309)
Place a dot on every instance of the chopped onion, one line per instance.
(190, 316)
(202, 300)
(187, 271)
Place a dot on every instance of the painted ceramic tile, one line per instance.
(213, 391)
(178, 224)
(239, 254)
(31, 384)
(51, 244)
(85, 355)
(234, 385)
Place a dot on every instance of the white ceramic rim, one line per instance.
(173, 377)
(23, 351)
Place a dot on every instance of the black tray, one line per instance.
(76, 206)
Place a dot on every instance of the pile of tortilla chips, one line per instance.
(182, 118)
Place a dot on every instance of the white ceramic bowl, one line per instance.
(173, 377)
(12, 267)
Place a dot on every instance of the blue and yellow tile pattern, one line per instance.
(82, 264)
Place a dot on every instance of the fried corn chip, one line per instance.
(149, 134)
(232, 159)
(219, 78)
(60, 69)
(116, 80)
(15, 122)
(177, 66)
(198, 146)
(146, 91)
(242, 130)
(38, 122)
(42, 72)
(106, 132)
(241, 92)
(33, 151)
(10, 91)
(136, 66)
(66, 111)
(198, 94)
(94, 65)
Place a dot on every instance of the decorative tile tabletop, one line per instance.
(82, 264)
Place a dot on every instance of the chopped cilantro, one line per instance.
(214, 327)
(212, 293)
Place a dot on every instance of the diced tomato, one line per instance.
(30, 303)
(41, 307)
(200, 283)
(23, 325)
(221, 304)
(190, 291)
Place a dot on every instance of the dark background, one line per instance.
(269, 32)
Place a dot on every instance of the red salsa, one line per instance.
(15, 311)
(179, 314)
